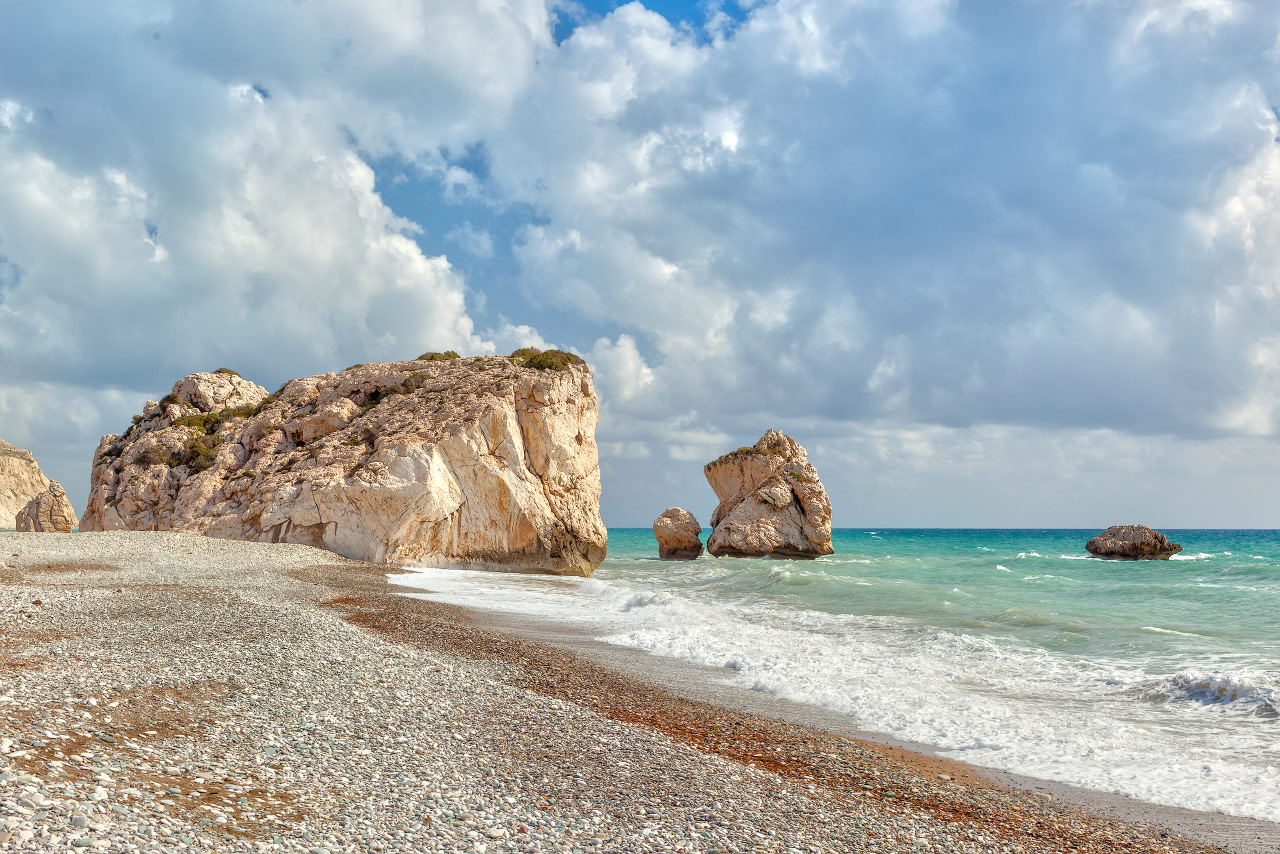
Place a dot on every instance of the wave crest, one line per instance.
(1249, 692)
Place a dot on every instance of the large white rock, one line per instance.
(772, 503)
(20, 481)
(48, 513)
(479, 461)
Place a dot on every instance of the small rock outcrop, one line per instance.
(444, 461)
(48, 513)
(772, 503)
(20, 481)
(1132, 542)
(677, 533)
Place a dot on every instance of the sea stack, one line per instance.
(48, 513)
(677, 533)
(1132, 542)
(484, 461)
(20, 481)
(772, 503)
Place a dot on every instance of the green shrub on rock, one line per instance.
(546, 360)
(204, 422)
(446, 356)
(153, 456)
(202, 452)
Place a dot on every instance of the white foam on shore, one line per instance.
(1191, 738)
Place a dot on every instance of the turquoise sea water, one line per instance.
(1015, 649)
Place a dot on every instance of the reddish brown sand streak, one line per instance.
(852, 771)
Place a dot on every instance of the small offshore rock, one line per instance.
(1132, 542)
(677, 533)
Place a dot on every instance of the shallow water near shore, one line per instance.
(1011, 649)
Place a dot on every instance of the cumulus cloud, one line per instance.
(863, 220)
(977, 239)
(280, 257)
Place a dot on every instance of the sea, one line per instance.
(1013, 649)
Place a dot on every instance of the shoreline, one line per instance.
(286, 699)
(703, 683)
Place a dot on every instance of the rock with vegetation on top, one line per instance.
(772, 503)
(1132, 542)
(677, 533)
(20, 481)
(48, 513)
(438, 461)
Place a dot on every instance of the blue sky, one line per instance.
(993, 264)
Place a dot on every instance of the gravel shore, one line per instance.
(169, 692)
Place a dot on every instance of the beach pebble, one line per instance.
(248, 716)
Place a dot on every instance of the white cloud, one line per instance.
(620, 370)
(477, 242)
(831, 214)
(281, 257)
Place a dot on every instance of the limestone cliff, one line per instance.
(20, 481)
(772, 503)
(439, 461)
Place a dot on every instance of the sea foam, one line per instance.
(1017, 680)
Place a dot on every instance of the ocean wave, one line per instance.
(1046, 575)
(985, 685)
(1199, 556)
(1029, 554)
(1253, 693)
(1030, 618)
(1079, 557)
(1171, 632)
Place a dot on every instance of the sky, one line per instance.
(994, 264)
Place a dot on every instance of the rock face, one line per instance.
(48, 513)
(438, 461)
(772, 503)
(1132, 542)
(677, 533)
(20, 481)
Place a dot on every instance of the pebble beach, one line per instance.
(165, 692)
